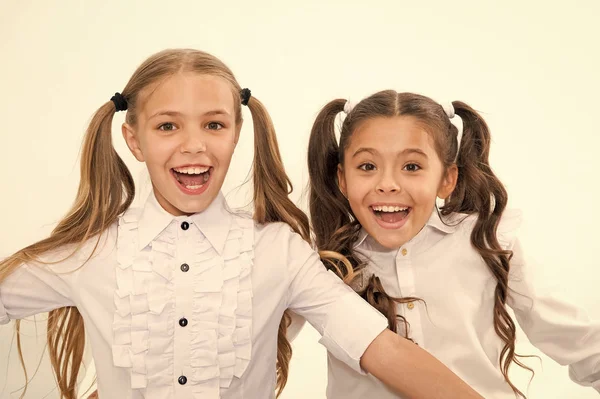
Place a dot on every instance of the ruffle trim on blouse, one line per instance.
(221, 321)
(221, 344)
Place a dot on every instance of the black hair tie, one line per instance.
(120, 102)
(245, 94)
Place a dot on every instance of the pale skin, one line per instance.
(189, 119)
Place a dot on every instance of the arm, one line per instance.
(423, 376)
(357, 334)
(30, 290)
(38, 287)
(558, 328)
(296, 325)
(412, 372)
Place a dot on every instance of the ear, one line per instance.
(448, 183)
(341, 180)
(238, 129)
(132, 141)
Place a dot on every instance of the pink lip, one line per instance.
(186, 190)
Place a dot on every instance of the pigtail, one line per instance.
(335, 227)
(272, 204)
(479, 191)
(272, 186)
(106, 190)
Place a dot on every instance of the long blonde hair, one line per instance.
(106, 190)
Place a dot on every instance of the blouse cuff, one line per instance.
(592, 378)
(351, 327)
(3, 315)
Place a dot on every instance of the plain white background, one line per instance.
(530, 67)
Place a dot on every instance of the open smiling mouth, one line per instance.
(192, 178)
(390, 213)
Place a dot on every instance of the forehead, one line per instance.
(391, 134)
(188, 92)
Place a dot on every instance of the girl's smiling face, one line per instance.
(186, 133)
(392, 176)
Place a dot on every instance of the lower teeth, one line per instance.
(205, 177)
(381, 213)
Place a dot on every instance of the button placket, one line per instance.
(184, 294)
(406, 282)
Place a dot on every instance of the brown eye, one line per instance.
(367, 167)
(167, 127)
(214, 126)
(412, 167)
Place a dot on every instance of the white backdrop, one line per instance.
(530, 67)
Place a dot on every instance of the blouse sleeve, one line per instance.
(346, 322)
(560, 329)
(296, 325)
(30, 290)
(39, 287)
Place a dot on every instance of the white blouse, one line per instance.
(189, 307)
(455, 324)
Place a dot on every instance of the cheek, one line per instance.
(157, 149)
(358, 193)
(426, 192)
(356, 186)
(223, 150)
(423, 193)
(158, 157)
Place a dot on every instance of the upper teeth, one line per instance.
(385, 208)
(192, 170)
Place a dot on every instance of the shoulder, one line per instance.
(279, 239)
(276, 231)
(508, 228)
(70, 257)
(507, 231)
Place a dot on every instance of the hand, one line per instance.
(94, 395)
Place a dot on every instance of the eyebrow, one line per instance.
(406, 151)
(417, 151)
(175, 113)
(363, 149)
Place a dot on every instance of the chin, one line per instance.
(391, 244)
(190, 207)
(180, 205)
(389, 240)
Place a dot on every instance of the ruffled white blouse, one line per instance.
(189, 306)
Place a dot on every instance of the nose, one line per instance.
(193, 142)
(387, 183)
